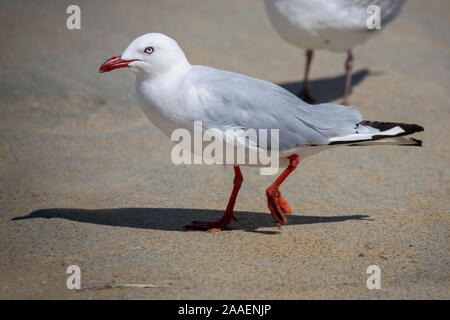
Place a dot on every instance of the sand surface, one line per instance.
(93, 179)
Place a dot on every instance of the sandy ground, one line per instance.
(94, 181)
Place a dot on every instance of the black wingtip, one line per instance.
(417, 141)
(416, 128)
(384, 126)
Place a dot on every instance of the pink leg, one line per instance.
(348, 77)
(277, 205)
(222, 223)
(304, 93)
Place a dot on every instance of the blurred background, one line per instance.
(91, 181)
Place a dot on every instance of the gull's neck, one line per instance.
(158, 93)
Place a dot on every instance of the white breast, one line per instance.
(160, 104)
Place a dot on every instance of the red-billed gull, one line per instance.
(175, 94)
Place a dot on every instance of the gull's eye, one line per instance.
(149, 50)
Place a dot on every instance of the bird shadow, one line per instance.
(173, 219)
(327, 89)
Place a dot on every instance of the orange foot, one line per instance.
(278, 206)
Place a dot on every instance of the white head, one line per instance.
(149, 54)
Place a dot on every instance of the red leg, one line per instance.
(223, 222)
(277, 205)
(348, 77)
(304, 93)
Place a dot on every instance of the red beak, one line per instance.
(114, 63)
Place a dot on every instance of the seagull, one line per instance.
(336, 25)
(174, 94)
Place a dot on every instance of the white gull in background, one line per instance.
(336, 25)
(173, 94)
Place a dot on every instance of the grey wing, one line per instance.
(248, 103)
